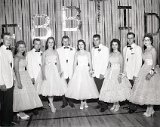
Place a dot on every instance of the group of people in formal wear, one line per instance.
(104, 74)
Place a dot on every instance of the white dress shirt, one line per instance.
(100, 57)
(6, 67)
(34, 62)
(132, 60)
(66, 57)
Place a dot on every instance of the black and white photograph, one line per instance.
(80, 63)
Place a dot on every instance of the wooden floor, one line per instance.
(74, 117)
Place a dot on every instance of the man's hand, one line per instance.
(33, 80)
(19, 86)
(61, 74)
(43, 77)
(120, 79)
(134, 78)
(3, 88)
(101, 76)
(148, 76)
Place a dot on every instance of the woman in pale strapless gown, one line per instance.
(25, 96)
(146, 90)
(115, 88)
(82, 86)
(53, 84)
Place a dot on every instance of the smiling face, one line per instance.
(147, 41)
(115, 46)
(51, 43)
(37, 45)
(81, 45)
(130, 39)
(65, 42)
(7, 40)
(96, 41)
(21, 48)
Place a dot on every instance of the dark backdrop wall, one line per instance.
(98, 16)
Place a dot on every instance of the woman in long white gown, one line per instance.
(25, 94)
(115, 88)
(82, 86)
(146, 90)
(53, 84)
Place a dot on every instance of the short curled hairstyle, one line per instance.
(82, 42)
(21, 42)
(118, 42)
(46, 45)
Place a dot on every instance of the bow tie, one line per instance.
(37, 51)
(66, 47)
(96, 47)
(129, 46)
(8, 48)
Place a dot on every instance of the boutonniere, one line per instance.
(99, 50)
(41, 53)
(71, 49)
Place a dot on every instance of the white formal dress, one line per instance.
(146, 92)
(112, 91)
(26, 98)
(82, 86)
(34, 63)
(132, 60)
(66, 57)
(54, 85)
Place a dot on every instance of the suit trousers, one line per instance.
(131, 105)
(6, 110)
(99, 83)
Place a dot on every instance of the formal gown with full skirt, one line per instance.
(146, 92)
(26, 98)
(82, 85)
(54, 85)
(113, 91)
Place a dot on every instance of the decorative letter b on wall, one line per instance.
(42, 27)
(70, 23)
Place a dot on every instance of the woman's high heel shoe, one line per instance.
(24, 117)
(148, 114)
(85, 105)
(116, 108)
(152, 113)
(113, 107)
(53, 109)
(82, 105)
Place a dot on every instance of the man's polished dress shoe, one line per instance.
(131, 111)
(98, 107)
(64, 105)
(71, 105)
(103, 109)
(35, 112)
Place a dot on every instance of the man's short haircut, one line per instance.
(131, 33)
(2, 36)
(96, 36)
(36, 39)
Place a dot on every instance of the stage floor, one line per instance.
(74, 117)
